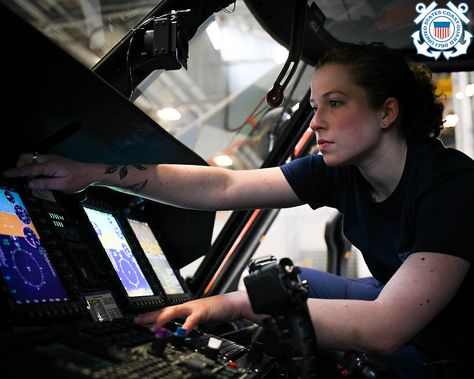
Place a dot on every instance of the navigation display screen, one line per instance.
(155, 255)
(24, 263)
(119, 252)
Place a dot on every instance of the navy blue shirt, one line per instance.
(431, 210)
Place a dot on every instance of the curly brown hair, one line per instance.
(384, 73)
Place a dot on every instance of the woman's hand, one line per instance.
(52, 172)
(219, 308)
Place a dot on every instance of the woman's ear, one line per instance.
(389, 112)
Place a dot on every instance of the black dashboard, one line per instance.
(75, 270)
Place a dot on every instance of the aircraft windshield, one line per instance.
(218, 118)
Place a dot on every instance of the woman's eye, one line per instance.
(334, 103)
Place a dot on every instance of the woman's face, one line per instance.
(347, 128)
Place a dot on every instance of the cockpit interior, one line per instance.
(215, 83)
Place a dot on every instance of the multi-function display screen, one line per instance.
(24, 263)
(155, 255)
(119, 252)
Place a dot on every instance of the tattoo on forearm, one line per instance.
(123, 170)
(112, 169)
(137, 187)
(139, 166)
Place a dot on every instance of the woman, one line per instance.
(406, 202)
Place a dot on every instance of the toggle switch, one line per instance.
(178, 337)
(162, 336)
(213, 347)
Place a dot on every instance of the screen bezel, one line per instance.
(176, 275)
(115, 216)
(126, 303)
(39, 313)
(170, 298)
(33, 245)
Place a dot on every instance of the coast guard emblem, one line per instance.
(441, 30)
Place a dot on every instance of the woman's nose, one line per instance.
(312, 124)
(315, 122)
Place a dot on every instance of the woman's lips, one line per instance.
(323, 144)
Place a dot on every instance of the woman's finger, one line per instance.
(146, 318)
